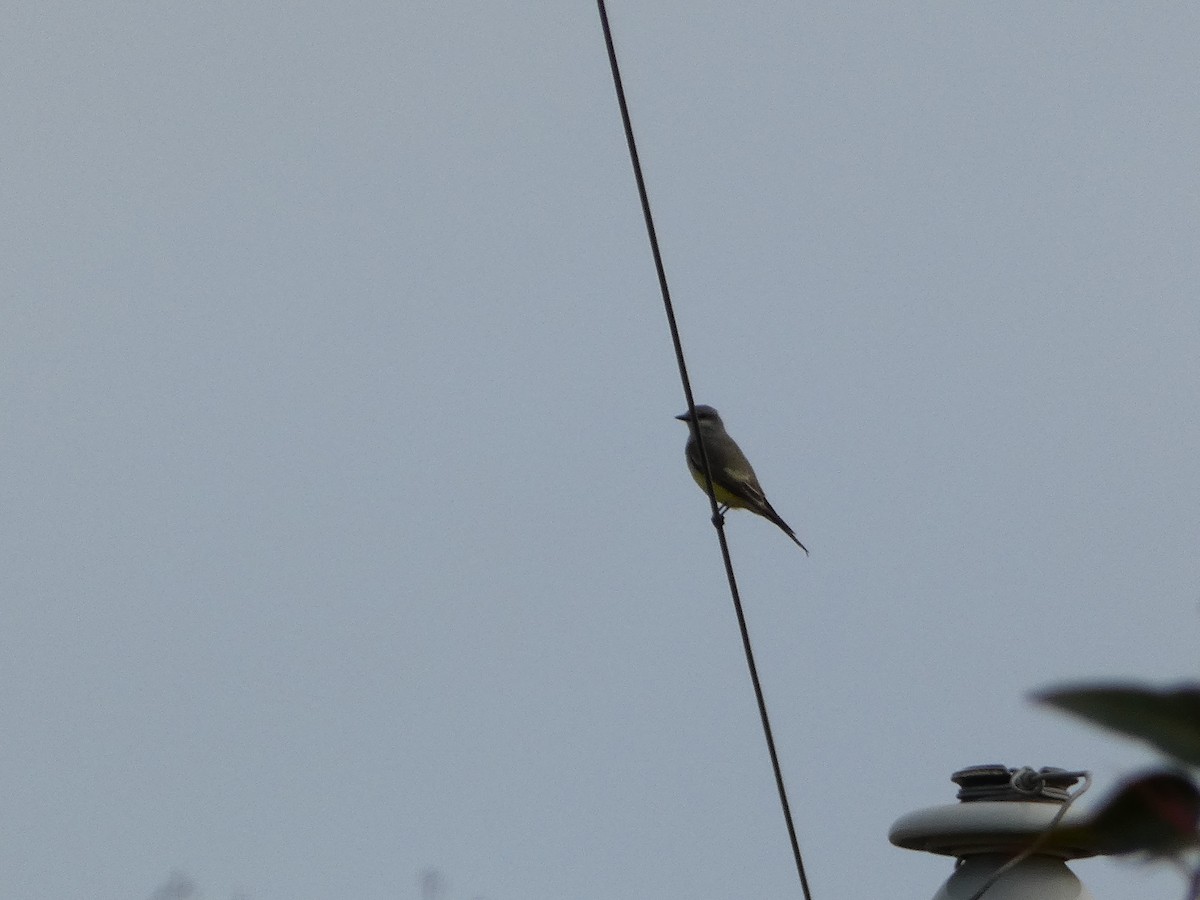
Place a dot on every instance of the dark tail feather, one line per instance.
(797, 540)
(787, 529)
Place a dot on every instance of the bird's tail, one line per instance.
(770, 513)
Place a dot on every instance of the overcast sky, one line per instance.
(348, 534)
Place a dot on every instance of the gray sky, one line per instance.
(348, 530)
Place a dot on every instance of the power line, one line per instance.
(718, 520)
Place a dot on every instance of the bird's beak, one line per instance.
(684, 417)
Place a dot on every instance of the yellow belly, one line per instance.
(724, 497)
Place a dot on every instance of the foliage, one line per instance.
(1156, 813)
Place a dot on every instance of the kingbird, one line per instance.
(734, 482)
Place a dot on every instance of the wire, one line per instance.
(1042, 838)
(718, 519)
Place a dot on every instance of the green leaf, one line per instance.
(1168, 719)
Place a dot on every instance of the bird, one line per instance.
(734, 482)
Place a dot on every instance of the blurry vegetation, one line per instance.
(1154, 812)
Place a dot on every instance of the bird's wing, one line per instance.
(736, 475)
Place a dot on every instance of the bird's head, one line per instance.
(706, 418)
